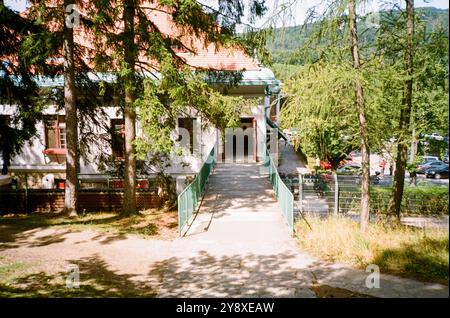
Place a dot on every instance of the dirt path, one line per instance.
(238, 246)
(112, 265)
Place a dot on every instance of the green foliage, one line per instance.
(436, 147)
(320, 107)
(320, 92)
(416, 200)
(17, 87)
(285, 44)
(411, 167)
(164, 86)
(179, 92)
(430, 79)
(284, 72)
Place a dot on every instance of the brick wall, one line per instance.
(44, 200)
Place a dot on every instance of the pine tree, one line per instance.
(405, 117)
(17, 86)
(337, 81)
(362, 118)
(139, 47)
(57, 21)
(71, 185)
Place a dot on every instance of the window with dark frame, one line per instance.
(4, 129)
(178, 48)
(55, 132)
(188, 124)
(118, 138)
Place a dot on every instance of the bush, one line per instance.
(416, 200)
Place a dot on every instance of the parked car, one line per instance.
(375, 179)
(429, 159)
(437, 172)
(435, 136)
(349, 168)
(353, 171)
(445, 159)
(430, 165)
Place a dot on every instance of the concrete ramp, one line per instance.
(239, 246)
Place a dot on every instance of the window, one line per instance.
(62, 135)
(55, 132)
(118, 138)
(178, 47)
(188, 124)
(5, 135)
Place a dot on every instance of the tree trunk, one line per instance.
(71, 186)
(405, 117)
(359, 105)
(129, 200)
(414, 143)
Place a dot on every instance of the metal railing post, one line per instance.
(300, 192)
(336, 194)
(186, 210)
(26, 207)
(109, 194)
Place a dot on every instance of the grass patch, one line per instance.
(149, 223)
(9, 270)
(96, 280)
(421, 254)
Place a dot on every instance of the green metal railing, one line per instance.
(282, 192)
(189, 198)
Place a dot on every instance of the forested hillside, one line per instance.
(285, 42)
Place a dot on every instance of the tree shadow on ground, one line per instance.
(326, 291)
(16, 228)
(15, 238)
(24, 230)
(249, 275)
(54, 238)
(109, 238)
(11, 227)
(206, 275)
(238, 194)
(96, 280)
(426, 260)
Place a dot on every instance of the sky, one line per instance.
(299, 10)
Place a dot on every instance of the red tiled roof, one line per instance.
(208, 56)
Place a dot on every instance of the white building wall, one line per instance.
(33, 160)
(258, 113)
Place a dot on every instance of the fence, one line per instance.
(189, 198)
(321, 194)
(282, 192)
(89, 200)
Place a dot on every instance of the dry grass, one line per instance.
(422, 254)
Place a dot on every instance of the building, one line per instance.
(45, 154)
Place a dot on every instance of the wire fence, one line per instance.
(324, 194)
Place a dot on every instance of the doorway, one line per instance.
(240, 143)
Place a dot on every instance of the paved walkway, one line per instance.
(239, 246)
(238, 243)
